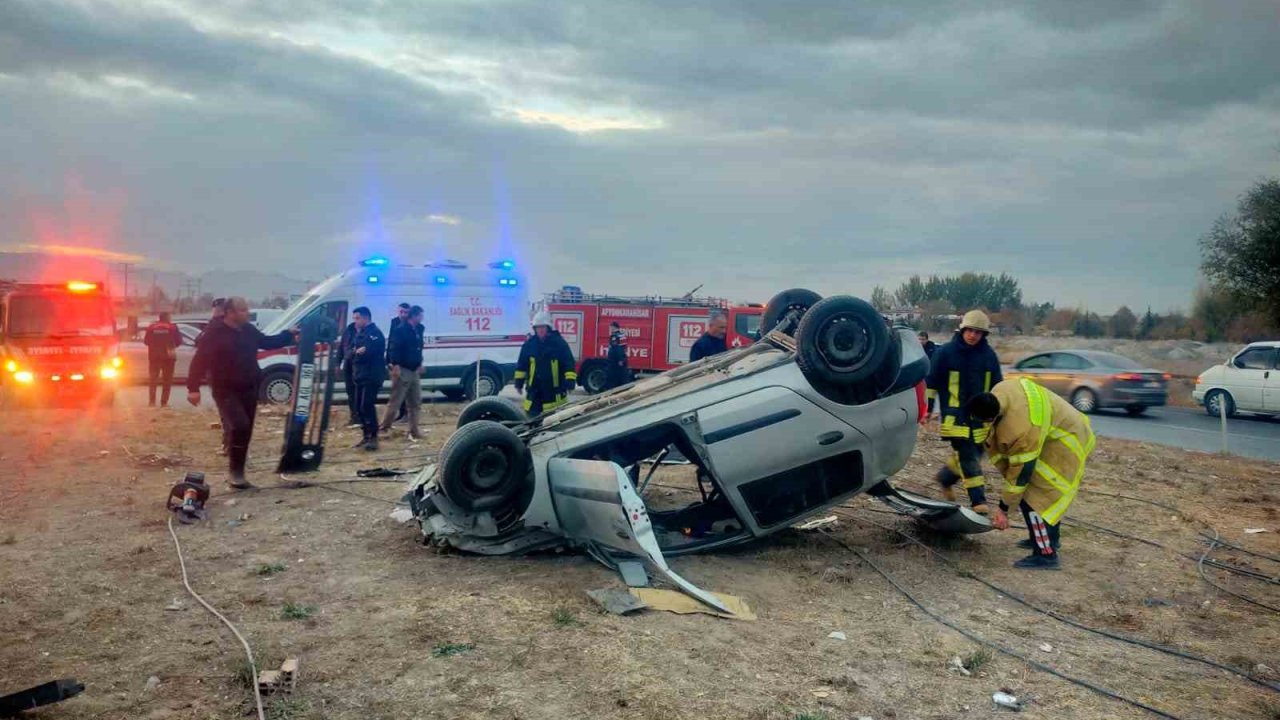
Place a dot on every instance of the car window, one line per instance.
(1119, 362)
(1035, 362)
(1256, 359)
(746, 325)
(1067, 361)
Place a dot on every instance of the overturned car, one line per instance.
(822, 408)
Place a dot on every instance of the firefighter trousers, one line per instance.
(965, 467)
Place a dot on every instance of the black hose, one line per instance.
(1000, 648)
(1251, 601)
(1069, 621)
(1233, 546)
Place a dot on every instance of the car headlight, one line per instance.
(109, 373)
(11, 366)
(26, 377)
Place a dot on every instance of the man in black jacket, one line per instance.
(404, 355)
(228, 353)
(546, 366)
(616, 374)
(348, 381)
(712, 341)
(930, 347)
(961, 370)
(367, 356)
(162, 340)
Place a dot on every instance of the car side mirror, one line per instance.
(1238, 363)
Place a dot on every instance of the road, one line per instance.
(1193, 429)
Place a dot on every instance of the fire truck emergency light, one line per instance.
(375, 261)
(11, 366)
(26, 377)
(81, 286)
(373, 279)
(442, 280)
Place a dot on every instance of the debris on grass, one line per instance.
(451, 649)
(295, 611)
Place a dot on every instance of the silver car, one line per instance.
(1093, 380)
(822, 409)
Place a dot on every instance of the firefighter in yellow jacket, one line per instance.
(546, 366)
(1040, 444)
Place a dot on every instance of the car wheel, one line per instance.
(594, 377)
(1084, 400)
(786, 309)
(276, 387)
(488, 383)
(483, 466)
(1214, 401)
(1136, 410)
(493, 409)
(842, 341)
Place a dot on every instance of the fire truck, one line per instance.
(57, 341)
(659, 330)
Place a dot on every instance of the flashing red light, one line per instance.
(81, 286)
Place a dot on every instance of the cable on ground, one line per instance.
(996, 646)
(253, 666)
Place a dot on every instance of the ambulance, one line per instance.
(57, 342)
(660, 331)
(476, 319)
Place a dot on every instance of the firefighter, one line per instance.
(368, 358)
(617, 374)
(964, 367)
(929, 347)
(546, 366)
(228, 353)
(1039, 442)
(712, 341)
(162, 340)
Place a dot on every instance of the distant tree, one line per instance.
(1123, 324)
(1212, 313)
(1061, 321)
(1148, 325)
(881, 300)
(1040, 312)
(963, 292)
(911, 293)
(1241, 254)
(1088, 325)
(1173, 326)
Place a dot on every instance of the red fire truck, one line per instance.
(57, 340)
(659, 330)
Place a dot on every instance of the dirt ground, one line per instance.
(386, 628)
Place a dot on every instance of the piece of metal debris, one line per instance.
(615, 601)
(837, 635)
(1254, 531)
(817, 523)
(175, 605)
(401, 515)
(46, 694)
(1006, 701)
(633, 573)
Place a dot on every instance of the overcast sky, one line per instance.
(751, 145)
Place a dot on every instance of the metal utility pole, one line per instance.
(125, 267)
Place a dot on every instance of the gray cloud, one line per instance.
(1081, 147)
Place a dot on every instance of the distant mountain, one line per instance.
(254, 285)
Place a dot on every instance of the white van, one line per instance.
(475, 322)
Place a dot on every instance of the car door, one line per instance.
(186, 351)
(1032, 368)
(1246, 377)
(1069, 373)
(1271, 392)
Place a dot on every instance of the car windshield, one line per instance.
(293, 315)
(61, 315)
(1112, 360)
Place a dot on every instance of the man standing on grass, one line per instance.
(404, 354)
(1039, 442)
(162, 340)
(228, 353)
(368, 358)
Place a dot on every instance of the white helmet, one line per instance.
(542, 318)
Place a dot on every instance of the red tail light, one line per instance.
(1128, 376)
(922, 407)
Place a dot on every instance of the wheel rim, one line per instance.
(844, 343)
(486, 469)
(486, 386)
(595, 379)
(1215, 403)
(1084, 401)
(279, 391)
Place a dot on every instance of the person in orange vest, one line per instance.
(162, 340)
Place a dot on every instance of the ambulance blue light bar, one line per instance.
(508, 282)
(373, 279)
(442, 280)
(503, 265)
(375, 261)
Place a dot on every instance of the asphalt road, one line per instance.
(1193, 429)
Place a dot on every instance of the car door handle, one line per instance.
(830, 438)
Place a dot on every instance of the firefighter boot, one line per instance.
(1036, 561)
(947, 479)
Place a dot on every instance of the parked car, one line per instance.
(824, 408)
(1092, 380)
(134, 354)
(1248, 382)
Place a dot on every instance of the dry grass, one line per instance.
(407, 632)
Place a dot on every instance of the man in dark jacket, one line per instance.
(616, 374)
(162, 340)
(960, 370)
(930, 347)
(404, 355)
(216, 317)
(368, 357)
(348, 382)
(228, 353)
(546, 366)
(712, 341)
(402, 315)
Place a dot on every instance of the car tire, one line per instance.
(493, 409)
(782, 305)
(841, 341)
(1136, 410)
(490, 382)
(483, 466)
(1215, 397)
(1085, 400)
(594, 377)
(276, 387)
